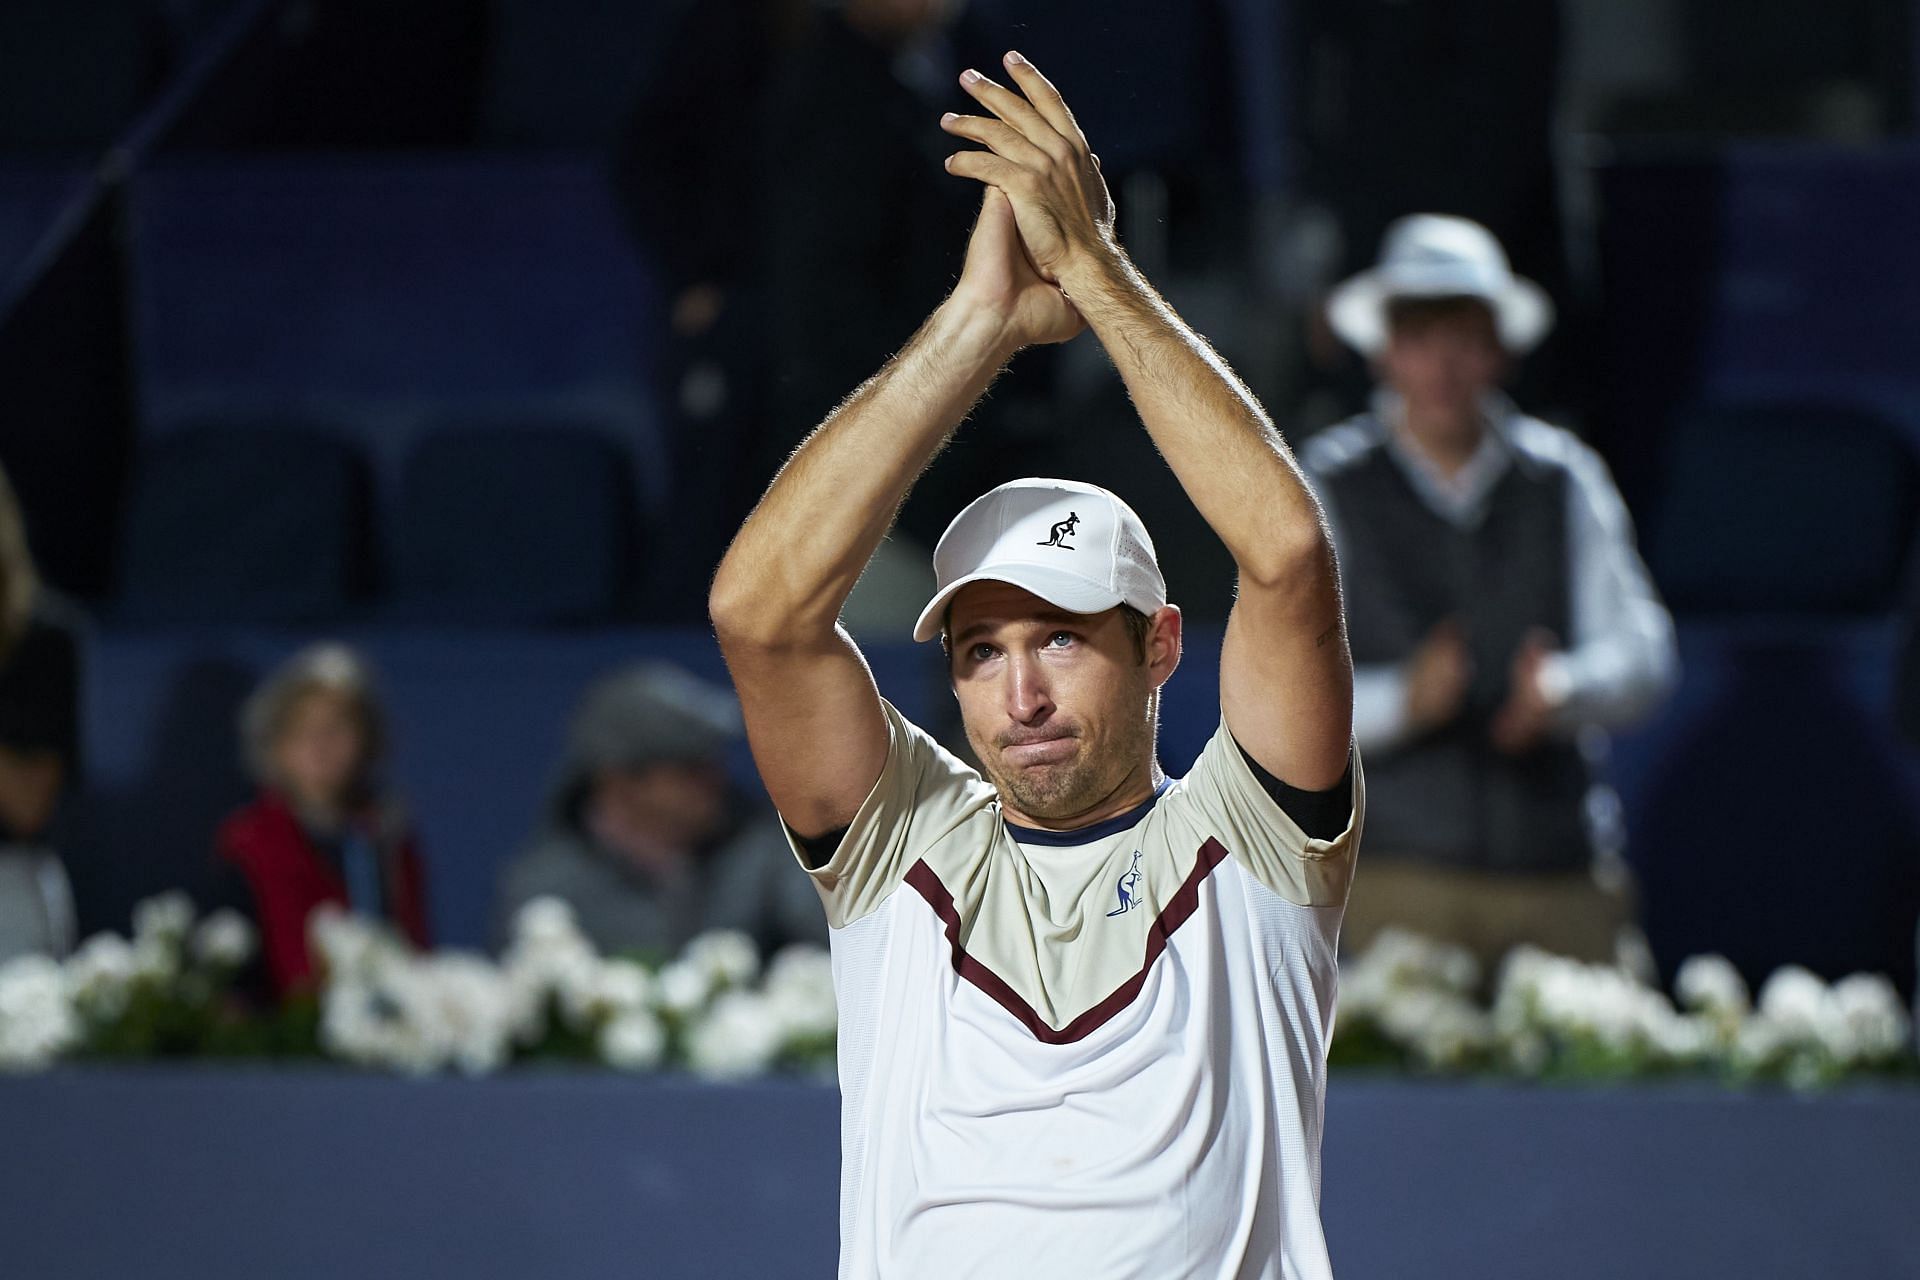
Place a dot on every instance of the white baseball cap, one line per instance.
(1433, 255)
(1076, 546)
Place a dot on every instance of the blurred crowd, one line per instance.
(1414, 297)
(644, 837)
(1500, 616)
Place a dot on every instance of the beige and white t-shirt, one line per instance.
(1099, 1053)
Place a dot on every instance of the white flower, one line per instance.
(1400, 957)
(1523, 974)
(351, 947)
(156, 959)
(1796, 999)
(684, 988)
(727, 956)
(799, 986)
(1682, 1039)
(1760, 1043)
(553, 969)
(551, 962)
(573, 975)
(100, 975)
(467, 1013)
(1441, 1029)
(167, 916)
(546, 919)
(633, 1041)
(1542, 997)
(37, 1022)
(1710, 984)
(225, 939)
(1364, 990)
(360, 1024)
(419, 1016)
(1877, 1022)
(739, 1037)
(622, 987)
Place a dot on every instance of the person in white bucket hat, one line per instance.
(1084, 1006)
(1500, 615)
(1430, 255)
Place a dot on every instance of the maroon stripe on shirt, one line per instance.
(1182, 905)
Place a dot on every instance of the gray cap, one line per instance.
(654, 713)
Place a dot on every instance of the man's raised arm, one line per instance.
(1286, 679)
(813, 715)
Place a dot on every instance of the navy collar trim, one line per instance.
(1098, 831)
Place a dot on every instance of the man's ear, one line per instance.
(1163, 643)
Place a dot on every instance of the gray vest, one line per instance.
(1448, 797)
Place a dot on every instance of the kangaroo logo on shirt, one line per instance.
(1062, 530)
(1129, 887)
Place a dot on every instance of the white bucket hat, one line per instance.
(1432, 255)
(1076, 546)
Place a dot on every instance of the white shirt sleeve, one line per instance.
(1621, 658)
(1380, 720)
(1229, 802)
(922, 794)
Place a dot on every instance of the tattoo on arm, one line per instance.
(1320, 641)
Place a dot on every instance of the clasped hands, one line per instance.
(1441, 670)
(1046, 221)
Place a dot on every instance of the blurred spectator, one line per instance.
(323, 829)
(644, 837)
(689, 169)
(1499, 613)
(863, 222)
(1445, 104)
(685, 167)
(39, 744)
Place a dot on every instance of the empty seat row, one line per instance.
(1802, 509)
(528, 525)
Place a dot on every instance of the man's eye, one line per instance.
(980, 652)
(1060, 639)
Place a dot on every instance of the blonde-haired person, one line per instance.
(323, 829)
(39, 744)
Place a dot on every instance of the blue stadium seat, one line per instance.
(1783, 509)
(387, 293)
(1772, 813)
(232, 524)
(529, 525)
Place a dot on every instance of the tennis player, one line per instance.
(1084, 1007)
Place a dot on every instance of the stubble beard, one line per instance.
(1061, 791)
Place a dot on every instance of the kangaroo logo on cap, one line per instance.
(1062, 530)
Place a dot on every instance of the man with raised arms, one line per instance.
(1084, 1007)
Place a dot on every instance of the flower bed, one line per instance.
(1407, 1004)
(1410, 1003)
(171, 992)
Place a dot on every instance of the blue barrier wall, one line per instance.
(210, 1175)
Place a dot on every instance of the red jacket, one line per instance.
(288, 879)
